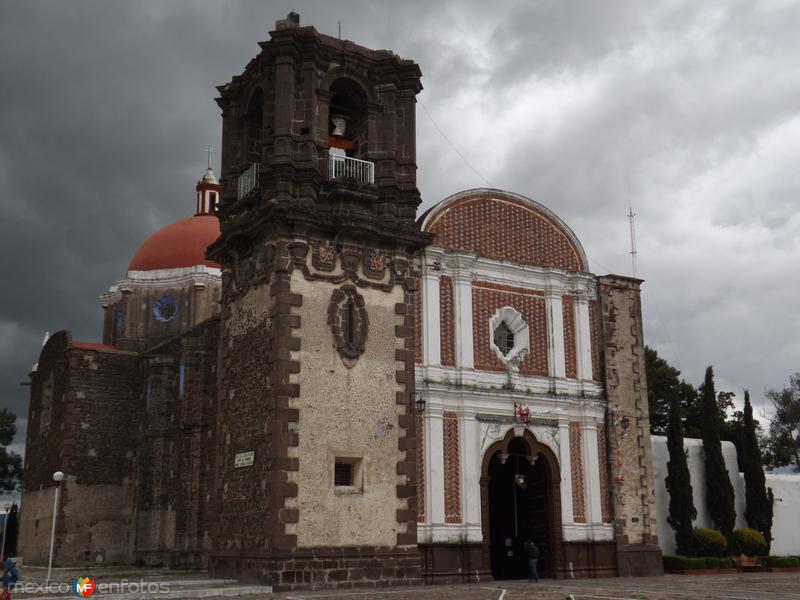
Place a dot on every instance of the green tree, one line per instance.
(719, 490)
(10, 462)
(664, 384)
(783, 445)
(758, 511)
(681, 504)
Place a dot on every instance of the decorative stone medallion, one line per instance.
(347, 318)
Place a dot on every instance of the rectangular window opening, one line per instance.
(348, 477)
(344, 474)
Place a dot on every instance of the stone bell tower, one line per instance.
(316, 464)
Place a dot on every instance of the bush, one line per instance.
(749, 542)
(678, 563)
(783, 561)
(710, 542)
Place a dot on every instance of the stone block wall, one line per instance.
(83, 402)
(628, 427)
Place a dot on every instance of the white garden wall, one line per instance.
(786, 524)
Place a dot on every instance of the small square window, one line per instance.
(347, 476)
(344, 473)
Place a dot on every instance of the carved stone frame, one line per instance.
(350, 350)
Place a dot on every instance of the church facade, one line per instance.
(305, 385)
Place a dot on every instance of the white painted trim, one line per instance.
(449, 533)
(434, 450)
(489, 382)
(431, 319)
(583, 339)
(591, 472)
(465, 354)
(554, 308)
(588, 532)
(471, 461)
(519, 327)
(505, 273)
(198, 276)
(565, 458)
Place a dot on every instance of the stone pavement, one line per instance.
(738, 586)
(187, 584)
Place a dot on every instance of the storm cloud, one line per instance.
(688, 111)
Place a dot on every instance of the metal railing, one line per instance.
(247, 181)
(344, 167)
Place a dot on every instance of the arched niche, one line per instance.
(348, 129)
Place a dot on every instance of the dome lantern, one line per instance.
(208, 191)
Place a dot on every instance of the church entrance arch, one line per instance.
(520, 501)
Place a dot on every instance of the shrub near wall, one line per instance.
(710, 542)
(783, 562)
(749, 542)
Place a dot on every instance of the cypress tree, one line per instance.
(719, 490)
(681, 505)
(758, 511)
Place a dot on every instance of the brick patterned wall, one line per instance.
(487, 298)
(448, 324)
(420, 468)
(605, 505)
(576, 456)
(594, 332)
(418, 321)
(482, 225)
(452, 469)
(568, 304)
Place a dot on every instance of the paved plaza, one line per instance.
(187, 584)
(739, 586)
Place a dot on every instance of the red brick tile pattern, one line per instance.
(448, 325)
(420, 468)
(605, 508)
(484, 225)
(594, 333)
(452, 469)
(578, 493)
(485, 302)
(568, 304)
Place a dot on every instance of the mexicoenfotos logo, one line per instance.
(83, 587)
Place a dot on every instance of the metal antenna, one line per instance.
(340, 30)
(631, 217)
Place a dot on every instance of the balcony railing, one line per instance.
(344, 167)
(247, 181)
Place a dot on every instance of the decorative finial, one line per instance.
(210, 151)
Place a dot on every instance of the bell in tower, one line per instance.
(318, 235)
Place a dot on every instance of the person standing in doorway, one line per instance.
(532, 552)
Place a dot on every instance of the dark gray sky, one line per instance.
(688, 110)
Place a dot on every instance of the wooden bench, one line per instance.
(748, 563)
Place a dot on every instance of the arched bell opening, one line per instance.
(347, 119)
(520, 500)
(253, 125)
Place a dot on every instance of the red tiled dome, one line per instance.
(178, 245)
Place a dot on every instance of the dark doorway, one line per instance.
(518, 511)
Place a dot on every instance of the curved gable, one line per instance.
(504, 226)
